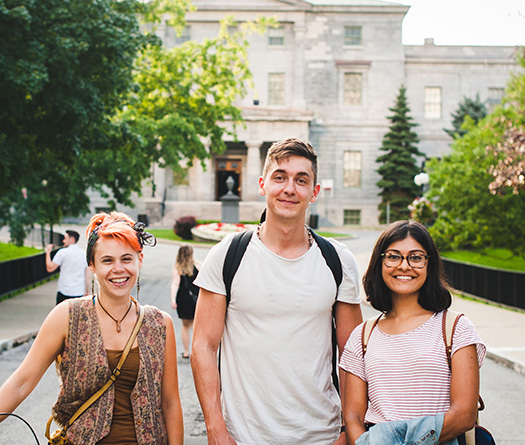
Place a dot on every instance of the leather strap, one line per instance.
(368, 326)
(114, 376)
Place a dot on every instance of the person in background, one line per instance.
(75, 277)
(143, 404)
(184, 293)
(276, 332)
(404, 379)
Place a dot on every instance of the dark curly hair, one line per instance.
(433, 296)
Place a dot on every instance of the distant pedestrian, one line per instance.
(184, 293)
(403, 374)
(74, 278)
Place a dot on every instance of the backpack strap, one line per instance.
(368, 326)
(233, 259)
(330, 256)
(450, 320)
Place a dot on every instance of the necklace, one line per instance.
(114, 319)
(310, 238)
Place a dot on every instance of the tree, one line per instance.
(398, 164)
(64, 67)
(469, 107)
(476, 188)
(91, 101)
(509, 171)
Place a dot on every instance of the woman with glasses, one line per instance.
(401, 381)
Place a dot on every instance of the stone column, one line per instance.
(253, 171)
(298, 101)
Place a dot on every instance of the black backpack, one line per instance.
(233, 260)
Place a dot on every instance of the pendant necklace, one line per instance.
(114, 319)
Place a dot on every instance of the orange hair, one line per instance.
(116, 225)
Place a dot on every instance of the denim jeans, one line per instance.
(419, 431)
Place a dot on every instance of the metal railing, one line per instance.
(25, 272)
(22, 273)
(498, 285)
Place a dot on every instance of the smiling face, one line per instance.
(289, 187)
(116, 265)
(404, 280)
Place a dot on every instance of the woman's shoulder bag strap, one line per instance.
(368, 326)
(115, 374)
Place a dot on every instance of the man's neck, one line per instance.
(288, 239)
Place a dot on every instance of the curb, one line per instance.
(504, 360)
(6, 344)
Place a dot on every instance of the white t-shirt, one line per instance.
(276, 356)
(72, 262)
(407, 374)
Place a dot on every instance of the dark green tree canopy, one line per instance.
(398, 165)
(91, 99)
(469, 107)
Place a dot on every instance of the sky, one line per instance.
(465, 22)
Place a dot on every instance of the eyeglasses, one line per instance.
(415, 260)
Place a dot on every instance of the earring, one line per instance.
(92, 285)
(138, 286)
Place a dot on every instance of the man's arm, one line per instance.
(50, 266)
(208, 328)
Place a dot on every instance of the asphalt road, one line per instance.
(501, 388)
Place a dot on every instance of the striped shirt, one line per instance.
(407, 374)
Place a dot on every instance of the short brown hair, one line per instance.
(290, 147)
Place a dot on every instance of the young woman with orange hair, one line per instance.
(90, 333)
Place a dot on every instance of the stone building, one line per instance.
(327, 74)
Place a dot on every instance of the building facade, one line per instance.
(328, 73)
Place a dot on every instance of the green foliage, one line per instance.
(398, 166)
(90, 99)
(469, 107)
(469, 216)
(64, 67)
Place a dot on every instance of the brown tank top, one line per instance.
(122, 430)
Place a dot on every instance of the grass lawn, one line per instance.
(11, 252)
(498, 258)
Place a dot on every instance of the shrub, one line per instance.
(183, 227)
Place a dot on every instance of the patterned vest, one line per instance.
(84, 370)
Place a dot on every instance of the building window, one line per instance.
(352, 217)
(276, 36)
(353, 89)
(276, 89)
(352, 168)
(352, 36)
(495, 97)
(184, 36)
(433, 102)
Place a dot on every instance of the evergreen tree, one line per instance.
(398, 164)
(469, 107)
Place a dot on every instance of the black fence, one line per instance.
(28, 271)
(23, 272)
(500, 286)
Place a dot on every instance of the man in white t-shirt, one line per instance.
(275, 382)
(74, 276)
